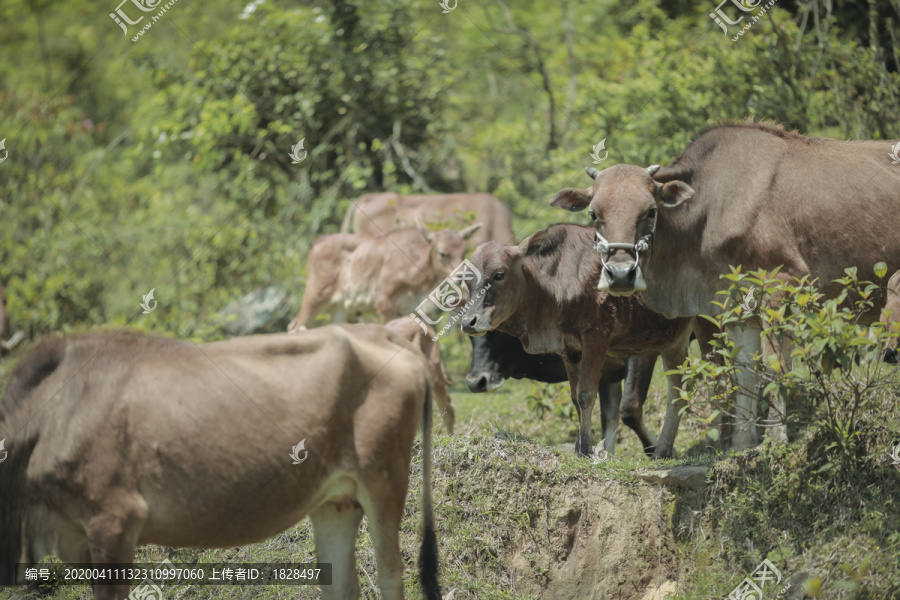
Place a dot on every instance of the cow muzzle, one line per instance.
(483, 382)
(622, 278)
(474, 325)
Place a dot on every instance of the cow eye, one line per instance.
(592, 215)
(442, 254)
(499, 276)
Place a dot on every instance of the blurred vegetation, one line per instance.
(164, 163)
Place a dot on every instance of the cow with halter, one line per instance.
(116, 440)
(497, 356)
(544, 292)
(813, 206)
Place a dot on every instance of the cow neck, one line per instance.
(560, 286)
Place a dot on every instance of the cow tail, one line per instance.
(428, 556)
(13, 501)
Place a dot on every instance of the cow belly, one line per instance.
(258, 514)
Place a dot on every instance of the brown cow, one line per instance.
(375, 214)
(423, 339)
(543, 292)
(387, 274)
(117, 440)
(749, 194)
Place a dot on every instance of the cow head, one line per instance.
(448, 247)
(502, 290)
(624, 205)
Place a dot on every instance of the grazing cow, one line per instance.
(386, 274)
(891, 313)
(4, 320)
(497, 356)
(411, 331)
(117, 440)
(375, 214)
(544, 292)
(813, 206)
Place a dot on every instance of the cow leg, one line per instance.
(335, 529)
(384, 527)
(112, 537)
(665, 445)
(448, 413)
(584, 370)
(637, 383)
(748, 341)
(610, 397)
(775, 422)
(672, 359)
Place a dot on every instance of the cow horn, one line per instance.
(652, 169)
(592, 172)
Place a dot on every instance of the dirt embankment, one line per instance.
(538, 523)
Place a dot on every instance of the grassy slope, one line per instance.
(505, 501)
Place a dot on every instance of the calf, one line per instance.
(544, 292)
(423, 339)
(387, 274)
(117, 440)
(497, 356)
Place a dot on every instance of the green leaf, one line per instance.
(880, 269)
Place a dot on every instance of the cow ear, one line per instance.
(674, 193)
(470, 230)
(572, 199)
(532, 243)
(425, 233)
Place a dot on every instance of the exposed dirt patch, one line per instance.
(545, 525)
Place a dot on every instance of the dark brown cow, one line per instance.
(117, 440)
(747, 194)
(423, 337)
(497, 356)
(544, 292)
(375, 214)
(350, 275)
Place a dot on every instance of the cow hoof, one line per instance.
(661, 453)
